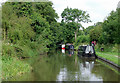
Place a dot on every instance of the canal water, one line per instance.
(67, 66)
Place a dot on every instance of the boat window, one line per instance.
(89, 49)
(81, 48)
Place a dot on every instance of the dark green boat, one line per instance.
(86, 51)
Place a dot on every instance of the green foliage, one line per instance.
(26, 26)
(110, 28)
(8, 50)
(82, 39)
(27, 31)
(22, 9)
(87, 30)
(106, 32)
(12, 67)
(74, 15)
(107, 48)
(95, 33)
(46, 10)
(56, 33)
(70, 30)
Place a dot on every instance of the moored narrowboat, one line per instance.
(86, 51)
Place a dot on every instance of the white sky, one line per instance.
(97, 9)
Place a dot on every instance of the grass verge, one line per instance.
(109, 57)
(11, 66)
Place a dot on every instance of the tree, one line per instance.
(87, 30)
(110, 28)
(47, 11)
(27, 28)
(95, 33)
(75, 15)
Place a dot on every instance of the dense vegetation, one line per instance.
(30, 29)
(26, 28)
(106, 32)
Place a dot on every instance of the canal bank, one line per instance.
(15, 67)
(109, 52)
(13, 56)
(12, 66)
(109, 58)
(109, 62)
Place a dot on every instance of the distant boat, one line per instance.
(86, 51)
(69, 46)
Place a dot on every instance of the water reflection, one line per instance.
(62, 74)
(82, 73)
(86, 68)
(87, 63)
(71, 52)
(63, 52)
(56, 67)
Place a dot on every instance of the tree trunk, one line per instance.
(4, 34)
(75, 36)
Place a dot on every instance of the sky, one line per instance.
(97, 9)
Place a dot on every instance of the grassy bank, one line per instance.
(12, 66)
(12, 62)
(109, 57)
(110, 52)
(111, 48)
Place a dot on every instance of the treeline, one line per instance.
(29, 28)
(106, 32)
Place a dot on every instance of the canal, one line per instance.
(67, 66)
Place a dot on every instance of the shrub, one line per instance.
(82, 39)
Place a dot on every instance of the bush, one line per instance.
(8, 49)
(107, 48)
(115, 48)
(82, 39)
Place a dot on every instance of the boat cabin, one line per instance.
(71, 47)
(86, 51)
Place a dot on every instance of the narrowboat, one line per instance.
(69, 46)
(86, 51)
